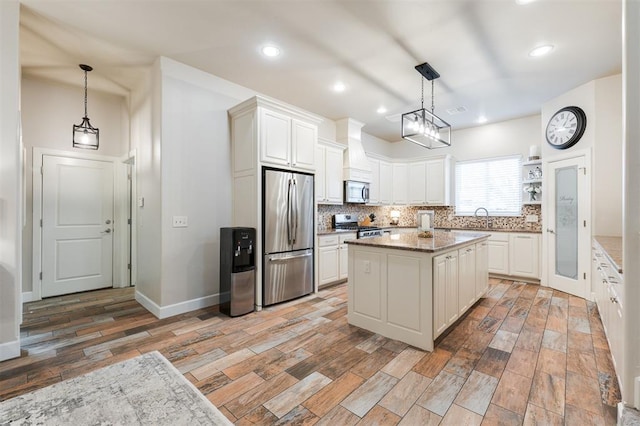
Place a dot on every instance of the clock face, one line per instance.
(566, 127)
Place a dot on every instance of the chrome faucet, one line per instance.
(475, 214)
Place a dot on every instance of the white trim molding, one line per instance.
(10, 350)
(27, 296)
(162, 312)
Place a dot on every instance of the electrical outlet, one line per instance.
(532, 218)
(367, 266)
(180, 222)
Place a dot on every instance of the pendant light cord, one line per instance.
(85, 93)
(422, 92)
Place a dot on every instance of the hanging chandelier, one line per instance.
(84, 134)
(424, 127)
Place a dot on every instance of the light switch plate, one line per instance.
(140, 201)
(532, 218)
(180, 222)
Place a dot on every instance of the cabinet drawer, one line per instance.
(499, 236)
(346, 237)
(328, 240)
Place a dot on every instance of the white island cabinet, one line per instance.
(408, 288)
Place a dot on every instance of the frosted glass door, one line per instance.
(568, 226)
(566, 199)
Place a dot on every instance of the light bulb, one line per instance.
(85, 138)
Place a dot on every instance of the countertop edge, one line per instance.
(366, 242)
(599, 239)
(515, 231)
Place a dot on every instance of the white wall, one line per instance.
(10, 170)
(601, 101)
(49, 110)
(607, 154)
(376, 145)
(491, 140)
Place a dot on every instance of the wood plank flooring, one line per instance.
(524, 354)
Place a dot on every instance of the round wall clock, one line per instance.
(566, 127)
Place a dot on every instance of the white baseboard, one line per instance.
(162, 312)
(27, 296)
(9, 350)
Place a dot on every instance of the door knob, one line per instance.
(107, 231)
(551, 231)
(108, 221)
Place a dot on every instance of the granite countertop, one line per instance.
(441, 241)
(330, 231)
(612, 248)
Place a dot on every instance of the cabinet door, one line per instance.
(374, 188)
(435, 190)
(275, 138)
(417, 181)
(386, 183)
(452, 288)
(400, 181)
(328, 265)
(466, 278)
(498, 253)
(482, 271)
(320, 174)
(304, 137)
(439, 294)
(524, 255)
(333, 176)
(343, 252)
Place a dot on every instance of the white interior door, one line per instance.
(77, 225)
(568, 220)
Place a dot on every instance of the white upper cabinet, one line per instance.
(329, 185)
(304, 137)
(386, 183)
(285, 141)
(440, 183)
(417, 183)
(400, 182)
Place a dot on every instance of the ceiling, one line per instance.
(479, 47)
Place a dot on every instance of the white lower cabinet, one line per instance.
(460, 278)
(333, 258)
(514, 254)
(445, 291)
(607, 287)
(466, 278)
(482, 270)
(498, 252)
(524, 255)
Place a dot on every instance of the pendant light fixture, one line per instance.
(84, 134)
(424, 127)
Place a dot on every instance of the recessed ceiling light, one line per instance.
(541, 50)
(381, 110)
(270, 51)
(339, 87)
(482, 119)
(523, 2)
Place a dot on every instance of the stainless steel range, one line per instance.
(350, 222)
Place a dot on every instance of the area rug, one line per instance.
(146, 390)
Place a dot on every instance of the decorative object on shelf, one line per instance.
(424, 127)
(534, 152)
(530, 175)
(395, 217)
(84, 134)
(537, 173)
(566, 127)
(532, 189)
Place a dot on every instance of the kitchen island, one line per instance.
(412, 289)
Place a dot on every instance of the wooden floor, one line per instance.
(524, 355)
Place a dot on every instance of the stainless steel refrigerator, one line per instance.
(288, 221)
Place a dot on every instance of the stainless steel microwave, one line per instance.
(356, 192)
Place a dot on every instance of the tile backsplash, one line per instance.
(444, 216)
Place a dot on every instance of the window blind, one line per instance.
(492, 183)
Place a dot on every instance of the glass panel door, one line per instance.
(566, 199)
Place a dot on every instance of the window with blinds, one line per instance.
(492, 183)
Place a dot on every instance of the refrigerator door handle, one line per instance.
(285, 259)
(295, 209)
(289, 213)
